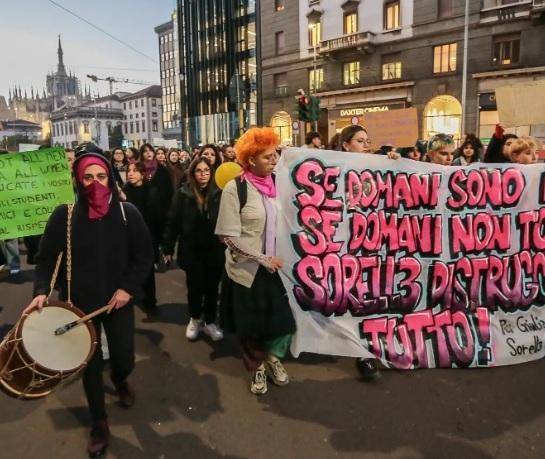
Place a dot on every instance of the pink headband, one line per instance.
(89, 161)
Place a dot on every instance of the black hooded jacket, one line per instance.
(193, 229)
(110, 253)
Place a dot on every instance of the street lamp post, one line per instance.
(315, 65)
(464, 68)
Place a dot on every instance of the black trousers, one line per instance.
(32, 244)
(202, 280)
(119, 328)
(149, 301)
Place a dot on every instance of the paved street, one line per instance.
(193, 401)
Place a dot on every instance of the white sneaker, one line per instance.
(276, 371)
(193, 328)
(258, 386)
(213, 331)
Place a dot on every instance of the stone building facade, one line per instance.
(374, 56)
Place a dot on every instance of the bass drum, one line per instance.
(34, 361)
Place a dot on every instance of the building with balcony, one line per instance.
(333, 49)
(218, 69)
(362, 55)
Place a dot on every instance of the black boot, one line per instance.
(368, 369)
(126, 394)
(98, 440)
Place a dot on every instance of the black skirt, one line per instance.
(262, 311)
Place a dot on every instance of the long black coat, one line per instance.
(160, 196)
(193, 229)
(114, 252)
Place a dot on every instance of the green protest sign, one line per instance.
(32, 184)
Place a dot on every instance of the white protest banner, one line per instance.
(416, 264)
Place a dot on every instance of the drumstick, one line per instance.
(62, 330)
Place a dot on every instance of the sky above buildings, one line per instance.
(29, 31)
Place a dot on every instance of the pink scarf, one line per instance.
(98, 196)
(265, 185)
(151, 168)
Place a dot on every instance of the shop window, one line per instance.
(281, 84)
(350, 23)
(391, 67)
(314, 34)
(281, 123)
(443, 114)
(315, 79)
(444, 58)
(351, 73)
(506, 50)
(392, 18)
(280, 41)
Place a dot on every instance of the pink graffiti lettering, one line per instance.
(320, 227)
(480, 232)
(389, 190)
(319, 183)
(362, 285)
(477, 188)
(412, 233)
(457, 339)
(510, 282)
(532, 229)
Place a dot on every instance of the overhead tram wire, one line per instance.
(102, 30)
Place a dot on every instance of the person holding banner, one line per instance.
(441, 150)
(110, 258)
(254, 301)
(355, 139)
(498, 148)
(523, 150)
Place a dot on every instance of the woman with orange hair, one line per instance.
(255, 303)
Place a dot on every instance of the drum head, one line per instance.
(65, 352)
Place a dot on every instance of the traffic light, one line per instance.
(314, 109)
(303, 108)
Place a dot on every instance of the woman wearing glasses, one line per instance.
(191, 222)
(354, 139)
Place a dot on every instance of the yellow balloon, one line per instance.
(227, 172)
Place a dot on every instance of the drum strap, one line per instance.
(68, 258)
